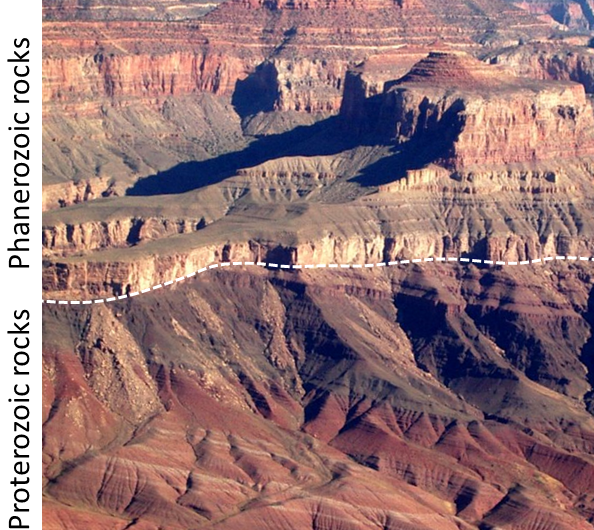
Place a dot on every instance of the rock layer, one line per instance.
(421, 397)
(101, 78)
(317, 416)
(552, 61)
(125, 9)
(576, 14)
(151, 59)
(465, 113)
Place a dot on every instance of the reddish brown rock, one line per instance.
(343, 429)
(552, 61)
(475, 114)
(420, 397)
(570, 14)
(151, 60)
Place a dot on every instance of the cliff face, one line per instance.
(76, 192)
(144, 59)
(489, 133)
(325, 233)
(550, 61)
(89, 155)
(284, 63)
(575, 14)
(465, 113)
(120, 233)
(309, 85)
(78, 81)
(367, 80)
(125, 9)
(422, 396)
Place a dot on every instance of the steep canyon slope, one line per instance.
(121, 96)
(413, 397)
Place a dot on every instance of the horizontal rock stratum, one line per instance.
(422, 396)
(483, 115)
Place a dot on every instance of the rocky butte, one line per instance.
(476, 114)
(418, 397)
(106, 77)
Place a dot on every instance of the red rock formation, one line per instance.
(553, 61)
(151, 59)
(296, 411)
(480, 115)
(568, 13)
(103, 80)
(77, 80)
(367, 80)
(403, 398)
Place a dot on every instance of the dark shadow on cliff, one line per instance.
(410, 155)
(257, 92)
(431, 143)
(326, 137)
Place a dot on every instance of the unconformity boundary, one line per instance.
(318, 266)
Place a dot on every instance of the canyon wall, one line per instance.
(553, 61)
(109, 276)
(574, 14)
(101, 10)
(148, 60)
(421, 396)
(79, 81)
(463, 113)
(108, 76)
(332, 385)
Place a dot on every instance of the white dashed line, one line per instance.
(440, 259)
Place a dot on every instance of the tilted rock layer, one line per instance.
(322, 399)
(416, 397)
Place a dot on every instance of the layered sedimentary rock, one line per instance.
(284, 64)
(119, 233)
(70, 192)
(174, 61)
(420, 397)
(151, 59)
(367, 79)
(368, 230)
(575, 14)
(552, 61)
(88, 157)
(464, 113)
(461, 128)
(125, 9)
(325, 401)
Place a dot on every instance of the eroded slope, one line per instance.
(324, 400)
